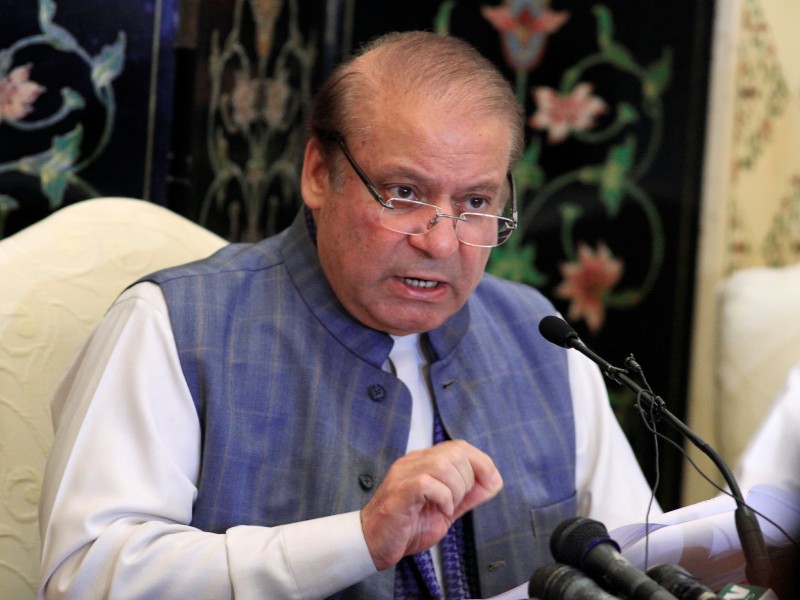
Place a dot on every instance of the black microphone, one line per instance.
(585, 544)
(758, 566)
(679, 582)
(557, 331)
(562, 582)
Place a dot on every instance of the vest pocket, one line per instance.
(545, 519)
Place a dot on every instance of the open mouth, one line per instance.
(420, 283)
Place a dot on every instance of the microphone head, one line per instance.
(544, 577)
(680, 583)
(557, 331)
(558, 582)
(573, 538)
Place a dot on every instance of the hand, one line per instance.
(423, 493)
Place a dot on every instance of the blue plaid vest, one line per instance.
(299, 420)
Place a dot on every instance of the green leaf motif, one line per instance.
(570, 212)
(612, 181)
(569, 80)
(627, 113)
(59, 38)
(107, 65)
(623, 299)
(605, 25)
(442, 19)
(658, 76)
(590, 175)
(528, 175)
(72, 99)
(58, 163)
(621, 57)
(47, 10)
(516, 264)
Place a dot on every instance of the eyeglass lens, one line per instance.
(416, 218)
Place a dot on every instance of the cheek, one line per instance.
(349, 245)
(351, 234)
(474, 261)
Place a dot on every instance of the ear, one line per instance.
(315, 179)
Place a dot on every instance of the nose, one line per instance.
(439, 240)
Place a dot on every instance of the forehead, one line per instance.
(434, 132)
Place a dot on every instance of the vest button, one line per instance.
(376, 392)
(366, 481)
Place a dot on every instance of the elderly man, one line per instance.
(350, 409)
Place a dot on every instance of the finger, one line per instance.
(475, 466)
(467, 474)
(484, 479)
(475, 497)
(440, 476)
(439, 493)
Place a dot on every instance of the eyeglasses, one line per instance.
(414, 217)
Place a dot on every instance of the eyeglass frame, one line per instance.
(376, 195)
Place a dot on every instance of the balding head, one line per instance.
(439, 71)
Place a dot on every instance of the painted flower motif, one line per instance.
(524, 26)
(244, 98)
(587, 282)
(18, 93)
(560, 115)
(277, 94)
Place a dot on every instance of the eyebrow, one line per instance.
(414, 175)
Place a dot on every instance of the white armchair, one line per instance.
(759, 343)
(58, 277)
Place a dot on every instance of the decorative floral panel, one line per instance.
(85, 103)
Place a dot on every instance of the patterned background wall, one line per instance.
(199, 106)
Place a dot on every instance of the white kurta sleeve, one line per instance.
(611, 486)
(121, 482)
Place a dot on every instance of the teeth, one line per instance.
(420, 283)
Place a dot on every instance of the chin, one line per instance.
(413, 326)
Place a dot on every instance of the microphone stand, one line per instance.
(757, 562)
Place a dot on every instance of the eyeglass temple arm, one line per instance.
(361, 175)
(513, 200)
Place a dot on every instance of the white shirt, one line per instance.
(120, 485)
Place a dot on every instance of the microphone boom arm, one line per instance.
(757, 563)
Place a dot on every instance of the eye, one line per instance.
(403, 192)
(476, 204)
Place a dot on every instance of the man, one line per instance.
(352, 408)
